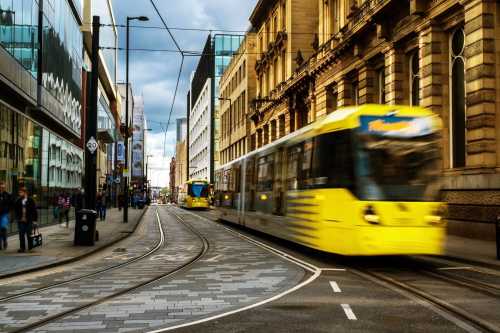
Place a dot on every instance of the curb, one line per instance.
(80, 257)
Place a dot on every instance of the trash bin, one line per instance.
(85, 227)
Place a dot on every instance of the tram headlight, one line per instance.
(371, 216)
(437, 216)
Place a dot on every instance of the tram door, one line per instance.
(250, 184)
(279, 186)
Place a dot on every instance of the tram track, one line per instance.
(464, 319)
(54, 318)
(157, 247)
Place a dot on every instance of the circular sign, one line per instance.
(85, 228)
(92, 145)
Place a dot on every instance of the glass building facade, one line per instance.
(19, 32)
(225, 46)
(32, 155)
(108, 35)
(62, 59)
(42, 161)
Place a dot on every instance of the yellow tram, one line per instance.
(195, 195)
(360, 181)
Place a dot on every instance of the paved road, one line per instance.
(343, 298)
(232, 273)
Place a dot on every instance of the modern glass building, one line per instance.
(203, 155)
(40, 99)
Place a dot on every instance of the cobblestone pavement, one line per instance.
(232, 274)
(27, 310)
(145, 239)
(58, 243)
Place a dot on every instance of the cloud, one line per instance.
(154, 74)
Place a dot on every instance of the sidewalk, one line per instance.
(472, 250)
(58, 243)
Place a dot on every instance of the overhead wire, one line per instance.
(178, 76)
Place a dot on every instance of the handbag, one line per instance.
(35, 239)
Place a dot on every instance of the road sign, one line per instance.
(92, 145)
(117, 180)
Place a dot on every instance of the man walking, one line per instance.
(64, 203)
(26, 214)
(5, 202)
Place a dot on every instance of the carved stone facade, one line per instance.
(439, 54)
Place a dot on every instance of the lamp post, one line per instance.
(125, 179)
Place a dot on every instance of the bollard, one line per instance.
(498, 236)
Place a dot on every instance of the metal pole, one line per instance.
(91, 126)
(125, 179)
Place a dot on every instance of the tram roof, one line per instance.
(344, 118)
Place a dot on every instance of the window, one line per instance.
(283, 66)
(275, 72)
(273, 130)
(283, 15)
(331, 98)
(355, 93)
(282, 125)
(381, 85)
(323, 162)
(457, 85)
(414, 70)
(266, 134)
(265, 173)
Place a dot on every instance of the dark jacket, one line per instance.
(31, 212)
(5, 203)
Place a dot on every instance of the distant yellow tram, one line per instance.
(360, 181)
(195, 195)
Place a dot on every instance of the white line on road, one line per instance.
(348, 312)
(335, 287)
(453, 268)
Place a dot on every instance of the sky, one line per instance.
(154, 74)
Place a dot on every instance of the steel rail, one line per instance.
(157, 247)
(451, 309)
(203, 250)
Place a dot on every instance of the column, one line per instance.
(481, 81)
(366, 79)
(344, 91)
(394, 76)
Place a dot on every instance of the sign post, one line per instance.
(91, 125)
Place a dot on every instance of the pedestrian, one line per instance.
(78, 200)
(5, 202)
(25, 214)
(121, 200)
(64, 204)
(101, 205)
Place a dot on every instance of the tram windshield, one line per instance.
(398, 169)
(198, 190)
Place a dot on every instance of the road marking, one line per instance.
(348, 312)
(333, 269)
(453, 268)
(310, 267)
(335, 287)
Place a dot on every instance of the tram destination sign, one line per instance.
(393, 126)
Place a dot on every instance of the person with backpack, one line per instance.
(5, 202)
(26, 215)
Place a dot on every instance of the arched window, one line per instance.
(457, 95)
(414, 79)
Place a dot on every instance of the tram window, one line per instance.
(333, 161)
(292, 173)
(265, 173)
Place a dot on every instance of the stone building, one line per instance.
(237, 88)
(285, 32)
(439, 54)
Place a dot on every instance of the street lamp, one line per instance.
(125, 179)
